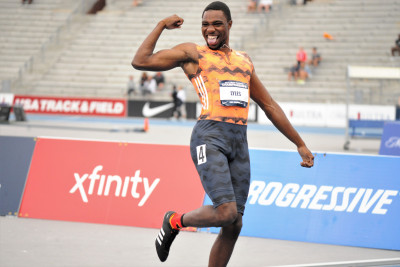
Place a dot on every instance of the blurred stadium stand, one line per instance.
(52, 47)
(363, 32)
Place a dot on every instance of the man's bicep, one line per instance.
(167, 59)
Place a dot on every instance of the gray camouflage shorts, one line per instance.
(220, 153)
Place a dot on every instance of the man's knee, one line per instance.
(227, 213)
(233, 230)
(237, 225)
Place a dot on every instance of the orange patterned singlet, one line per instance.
(223, 85)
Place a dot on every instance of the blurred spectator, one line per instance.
(293, 72)
(130, 87)
(29, 1)
(182, 98)
(299, 73)
(178, 98)
(135, 3)
(299, 2)
(97, 6)
(159, 78)
(315, 58)
(143, 79)
(304, 73)
(149, 86)
(265, 5)
(396, 48)
(252, 6)
(301, 56)
(175, 100)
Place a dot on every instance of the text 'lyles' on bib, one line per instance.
(234, 93)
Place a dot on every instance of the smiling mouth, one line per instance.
(212, 40)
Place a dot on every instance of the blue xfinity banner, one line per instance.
(344, 199)
(390, 141)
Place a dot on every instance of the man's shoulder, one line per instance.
(242, 54)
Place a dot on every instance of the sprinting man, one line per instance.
(225, 80)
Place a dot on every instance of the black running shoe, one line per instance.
(165, 237)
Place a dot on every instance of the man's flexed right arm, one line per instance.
(146, 59)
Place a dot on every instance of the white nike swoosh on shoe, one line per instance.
(150, 112)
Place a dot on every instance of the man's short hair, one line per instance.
(218, 5)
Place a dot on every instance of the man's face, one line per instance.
(215, 28)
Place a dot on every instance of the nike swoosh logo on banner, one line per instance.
(150, 112)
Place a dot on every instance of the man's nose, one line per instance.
(210, 28)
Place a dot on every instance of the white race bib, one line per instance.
(234, 93)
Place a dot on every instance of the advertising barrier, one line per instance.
(343, 200)
(330, 115)
(390, 141)
(6, 98)
(158, 109)
(72, 106)
(5, 111)
(15, 157)
(163, 109)
(109, 182)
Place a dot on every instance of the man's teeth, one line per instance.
(212, 39)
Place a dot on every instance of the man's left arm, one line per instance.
(276, 115)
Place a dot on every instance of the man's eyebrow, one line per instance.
(212, 22)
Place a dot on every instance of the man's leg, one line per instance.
(208, 216)
(224, 216)
(212, 165)
(223, 246)
(205, 216)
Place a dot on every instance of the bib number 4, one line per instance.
(201, 154)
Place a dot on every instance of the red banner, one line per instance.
(72, 106)
(110, 182)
